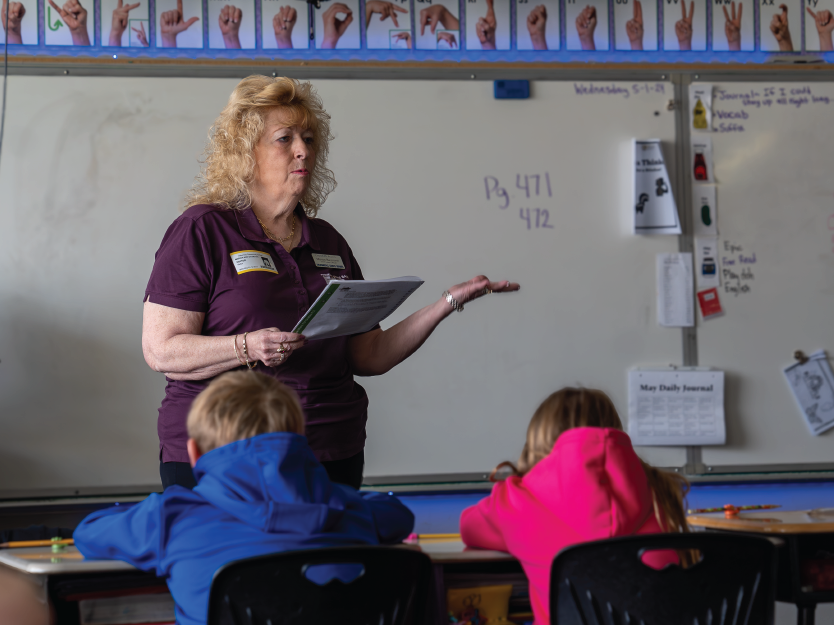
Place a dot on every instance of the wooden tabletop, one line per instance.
(42, 561)
(769, 521)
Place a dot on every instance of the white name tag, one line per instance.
(328, 260)
(253, 260)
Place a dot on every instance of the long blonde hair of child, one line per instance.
(579, 407)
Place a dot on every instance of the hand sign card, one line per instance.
(813, 388)
(231, 24)
(22, 22)
(337, 25)
(69, 23)
(819, 22)
(635, 25)
(179, 24)
(124, 24)
(732, 26)
(388, 24)
(653, 204)
(780, 28)
(586, 24)
(537, 25)
(437, 25)
(284, 24)
(685, 25)
(488, 24)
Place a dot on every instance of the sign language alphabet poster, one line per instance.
(685, 25)
(231, 24)
(69, 24)
(819, 23)
(337, 25)
(124, 24)
(537, 25)
(22, 24)
(586, 24)
(284, 24)
(179, 24)
(779, 26)
(635, 25)
(732, 26)
(488, 24)
(388, 24)
(438, 24)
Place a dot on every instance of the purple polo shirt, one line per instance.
(194, 271)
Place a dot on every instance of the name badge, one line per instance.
(253, 260)
(329, 261)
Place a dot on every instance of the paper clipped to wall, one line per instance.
(675, 306)
(812, 384)
(676, 407)
(704, 213)
(700, 113)
(653, 204)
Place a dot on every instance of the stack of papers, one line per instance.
(354, 306)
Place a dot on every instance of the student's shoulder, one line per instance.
(178, 500)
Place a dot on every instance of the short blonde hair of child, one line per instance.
(243, 404)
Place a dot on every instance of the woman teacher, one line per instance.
(243, 264)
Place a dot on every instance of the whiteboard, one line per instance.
(94, 171)
(776, 202)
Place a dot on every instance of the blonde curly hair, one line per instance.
(229, 165)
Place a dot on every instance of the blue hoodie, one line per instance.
(260, 495)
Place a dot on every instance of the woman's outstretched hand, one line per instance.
(480, 286)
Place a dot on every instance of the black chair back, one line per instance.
(373, 586)
(606, 583)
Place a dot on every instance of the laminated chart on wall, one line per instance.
(70, 23)
(125, 24)
(22, 24)
(388, 25)
(337, 25)
(438, 25)
(635, 25)
(676, 407)
(812, 384)
(685, 25)
(285, 25)
(487, 25)
(515, 31)
(586, 24)
(231, 24)
(537, 25)
(179, 24)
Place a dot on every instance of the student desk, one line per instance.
(805, 558)
(66, 572)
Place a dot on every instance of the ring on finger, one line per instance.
(487, 291)
(282, 349)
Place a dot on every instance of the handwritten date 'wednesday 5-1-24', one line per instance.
(527, 186)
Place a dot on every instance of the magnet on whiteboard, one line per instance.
(512, 89)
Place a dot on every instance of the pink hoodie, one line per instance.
(591, 486)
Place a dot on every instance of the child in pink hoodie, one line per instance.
(578, 479)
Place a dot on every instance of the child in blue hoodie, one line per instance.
(259, 490)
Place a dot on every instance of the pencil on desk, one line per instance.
(36, 543)
(413, 537)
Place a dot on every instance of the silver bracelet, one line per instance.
(452, 301)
